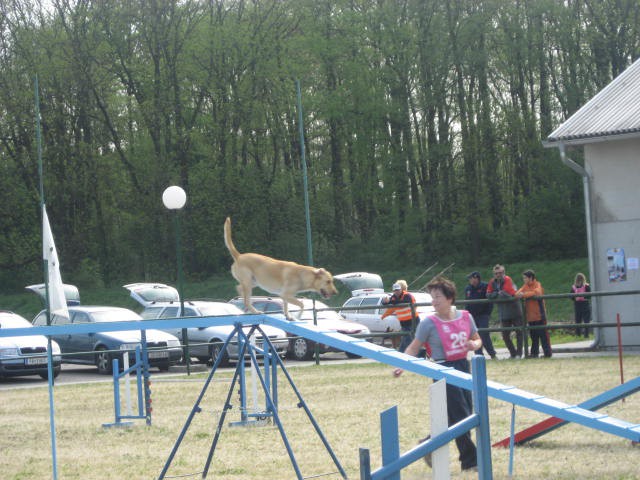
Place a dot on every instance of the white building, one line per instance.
(608, 129)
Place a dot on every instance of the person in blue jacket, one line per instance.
(477, 290)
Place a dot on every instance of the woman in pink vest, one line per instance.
(581, 305)
(451, 334)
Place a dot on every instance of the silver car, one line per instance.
(300, 348)
(25, 355)
(366, 307)
(205, 343)
(101, 348)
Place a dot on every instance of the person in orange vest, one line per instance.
(535, 312)
(402, 301)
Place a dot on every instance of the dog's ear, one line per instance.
(319, 271)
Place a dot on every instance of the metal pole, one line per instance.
(304, 174)
(619, 330)
(46, 288)
(481, 408)
(185, 337)
(591, 247)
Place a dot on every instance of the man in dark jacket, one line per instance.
(477, 290)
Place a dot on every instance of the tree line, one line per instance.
(423, 128)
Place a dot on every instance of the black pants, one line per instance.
(482, 321)
(459, 407)
(506, 335)
(405, 340)
(582, 310)
(539, 336)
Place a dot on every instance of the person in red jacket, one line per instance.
(535, 313)
(509, 312)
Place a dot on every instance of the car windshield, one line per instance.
(13, 321)
(219, 309)
(114, 316)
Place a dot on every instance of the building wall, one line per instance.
(614, 168)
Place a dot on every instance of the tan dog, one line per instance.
(278, 277)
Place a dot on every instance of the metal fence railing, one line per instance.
(524, 328)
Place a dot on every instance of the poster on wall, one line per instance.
(616, 265)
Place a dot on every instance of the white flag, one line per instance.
(57, 300)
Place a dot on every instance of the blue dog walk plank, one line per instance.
(507, 393)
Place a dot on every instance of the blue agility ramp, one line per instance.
(511, 394)
(599, 401)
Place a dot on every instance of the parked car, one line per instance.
(358, 280)
(25, 355)
(372, 317)
(205, 343)
(71, 292)
(300, 348)
(163, 348)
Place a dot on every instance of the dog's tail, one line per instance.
(227, 239)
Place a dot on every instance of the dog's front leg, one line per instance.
(295, 301)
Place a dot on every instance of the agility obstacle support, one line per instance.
(143, 389)
(268, 381)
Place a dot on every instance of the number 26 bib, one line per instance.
(454, 335)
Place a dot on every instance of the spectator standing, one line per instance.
(481, 312)
(581, 305)
(451, 334)
(404, 309)
(535, 313)
(510, 313)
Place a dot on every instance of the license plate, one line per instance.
(36, 361)
(159, 354)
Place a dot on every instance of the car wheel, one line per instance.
(215, 350)
(352, 355)
(302, 349)
(164, 367)
(103, 361)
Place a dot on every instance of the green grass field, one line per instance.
(345, 399)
